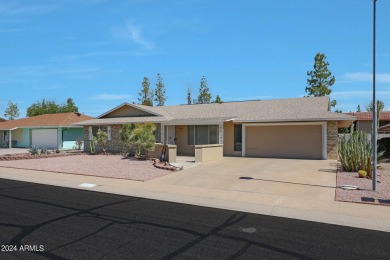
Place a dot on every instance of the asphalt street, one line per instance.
(41, 221)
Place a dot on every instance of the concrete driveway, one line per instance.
(4, 151)
(315, 179)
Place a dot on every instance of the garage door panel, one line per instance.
(44, 138)
(295, 142)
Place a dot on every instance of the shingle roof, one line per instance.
(367, 116)
(278, 110)
(46, 120)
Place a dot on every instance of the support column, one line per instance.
(10, 139)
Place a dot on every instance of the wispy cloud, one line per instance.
(18, 8)
(353, 94)
(134, 33)
(106, 96)
(96, 54)
(365, 77)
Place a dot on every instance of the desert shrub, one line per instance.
(384, 146)
(78, 143)
(142, 138)
(35, 150)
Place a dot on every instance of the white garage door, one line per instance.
(44, 138)
(293, 141)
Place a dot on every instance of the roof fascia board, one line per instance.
(297, 120)
(193, 122)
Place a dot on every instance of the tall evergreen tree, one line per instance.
(204, 96)
(12, 111)
(320, 78)
(189, 99)
(358, 109)
(159, 92)
(146, 94)
(218, 99)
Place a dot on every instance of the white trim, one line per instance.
(109, 133)
(243, 145)
(40, 127)
(10, 139)
(90, 133)
(200, 122)
(162, 134)
(272, 121)
(324, 133)
(130, 105)
(220, 133)
(285, 123)
(324, 140)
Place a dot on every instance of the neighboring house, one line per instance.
(364, 120)
(53, 131)
(302, 128)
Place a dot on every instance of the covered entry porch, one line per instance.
(201, 140)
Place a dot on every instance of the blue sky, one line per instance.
(98, 51)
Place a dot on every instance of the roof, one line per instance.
(278, 110)
(367, 116)
(384, 128)
(46, 120)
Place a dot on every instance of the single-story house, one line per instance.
(364, 120)
(52, 131)
(302, 128)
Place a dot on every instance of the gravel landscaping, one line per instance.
(110, 166)
(365, 194)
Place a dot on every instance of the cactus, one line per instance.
(356, 153)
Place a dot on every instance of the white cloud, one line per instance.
(366, 77)
(106, 96)
(133, 33)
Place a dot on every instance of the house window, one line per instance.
(238, 137)
(95, 129)
(202, 134)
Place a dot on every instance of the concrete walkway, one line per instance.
(286, 188)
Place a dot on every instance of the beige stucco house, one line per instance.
(301, 128)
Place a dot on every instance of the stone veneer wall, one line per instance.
(116, 145)
(332, 140)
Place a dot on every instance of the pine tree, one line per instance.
(218, 99)
(189, 100)
(358, 109)
(204, 92)
(146, 94)
(12, 111)
(159, 92)
(320, 79)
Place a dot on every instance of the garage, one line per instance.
(44, 138)
(284, 141)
